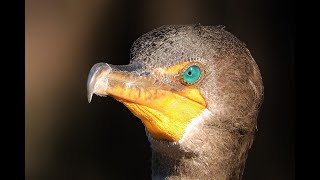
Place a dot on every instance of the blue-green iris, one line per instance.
(192, 74)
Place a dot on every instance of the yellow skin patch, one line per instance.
(165, 113)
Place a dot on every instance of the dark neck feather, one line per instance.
(223, 157)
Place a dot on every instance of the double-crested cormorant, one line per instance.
(197, 90)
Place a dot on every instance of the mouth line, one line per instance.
(137, 90)
(135, 86)
(153, 97)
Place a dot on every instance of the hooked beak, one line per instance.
(119, 81)
(164, 110)
(97, 72)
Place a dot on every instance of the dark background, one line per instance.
(67, 138)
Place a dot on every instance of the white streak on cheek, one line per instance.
(194, 124)
(190, 129)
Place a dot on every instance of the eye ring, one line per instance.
(191, 73)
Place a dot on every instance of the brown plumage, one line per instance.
(217, 146)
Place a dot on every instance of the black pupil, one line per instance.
(189, 73)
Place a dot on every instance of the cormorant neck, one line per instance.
(211, 152)
(210, 165)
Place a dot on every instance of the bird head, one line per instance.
(182, 80)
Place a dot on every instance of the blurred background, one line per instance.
(67, 138)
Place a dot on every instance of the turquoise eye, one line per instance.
(192, 74)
